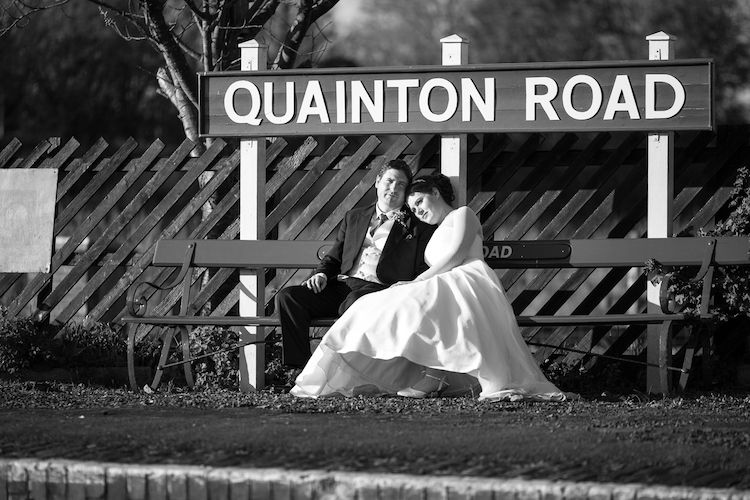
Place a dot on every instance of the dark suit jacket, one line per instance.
(403, 254)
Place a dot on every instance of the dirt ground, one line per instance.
(692, 441)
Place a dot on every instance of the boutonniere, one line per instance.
(400, 217)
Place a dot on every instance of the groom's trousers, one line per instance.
(297, 306)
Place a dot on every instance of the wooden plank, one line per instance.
(303, 185)
(530, 190)
(584, 253)
(274, 149)
(288, 166)
(62, 155)
(80, 167)
(45, 146)
(246, 254)
(613, 319)
(504, 176)
(9, 151)
(65, 215)
(492, 147)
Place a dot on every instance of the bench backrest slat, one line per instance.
(615, 252)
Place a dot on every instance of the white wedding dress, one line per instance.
(459, 321)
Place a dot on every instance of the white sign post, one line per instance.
(660, 200)
(453, 149)
(252, 227)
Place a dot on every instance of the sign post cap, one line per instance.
(660, 36)
(454, 38)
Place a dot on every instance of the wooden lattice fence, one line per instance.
(112, 206)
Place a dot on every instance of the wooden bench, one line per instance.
(704, 253)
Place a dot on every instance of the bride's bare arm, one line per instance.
(466, 227)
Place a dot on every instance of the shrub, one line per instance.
(25, 344)
(22, 344)
(220, 370)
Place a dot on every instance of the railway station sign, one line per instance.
(651, 96)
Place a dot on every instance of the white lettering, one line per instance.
(544, 100)
(596, 97)
(469, 94)
(251, 118)
(679, 97)
(622, 89)
(340, 101)
(268, 106)
(373, 104)
(506, 252)
(313, 103)
(424, 100)
(402, 93)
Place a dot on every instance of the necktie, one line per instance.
(379, 222)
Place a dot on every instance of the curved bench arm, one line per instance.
(136, 300)
(667, 279)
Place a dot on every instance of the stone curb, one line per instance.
(23, 479)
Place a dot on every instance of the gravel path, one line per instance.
(701, 440)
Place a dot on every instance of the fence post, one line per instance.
(453, 149)
(659, 212)
(252, 227)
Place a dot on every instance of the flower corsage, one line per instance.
(401, 217)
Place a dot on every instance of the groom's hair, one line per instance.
(396, 165)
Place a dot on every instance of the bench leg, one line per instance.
(167, 336)
(665, 357)
(185, 340)
(706, 368)
(131, 329)
(687, 362)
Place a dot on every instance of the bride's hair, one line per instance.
(436, 180)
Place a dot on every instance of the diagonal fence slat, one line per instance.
(303, 185)
(93, 187)
(154, 216)
(9, 151)
(62, 155)
(80, 167)
(38, 152)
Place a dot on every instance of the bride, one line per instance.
(450, 331)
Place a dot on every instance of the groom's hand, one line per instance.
(317, 282)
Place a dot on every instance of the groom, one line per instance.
(376, 246)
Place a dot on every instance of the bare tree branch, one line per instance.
(168, 47)
(24, 11)
(308, 12)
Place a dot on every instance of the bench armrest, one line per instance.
(137, 300)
